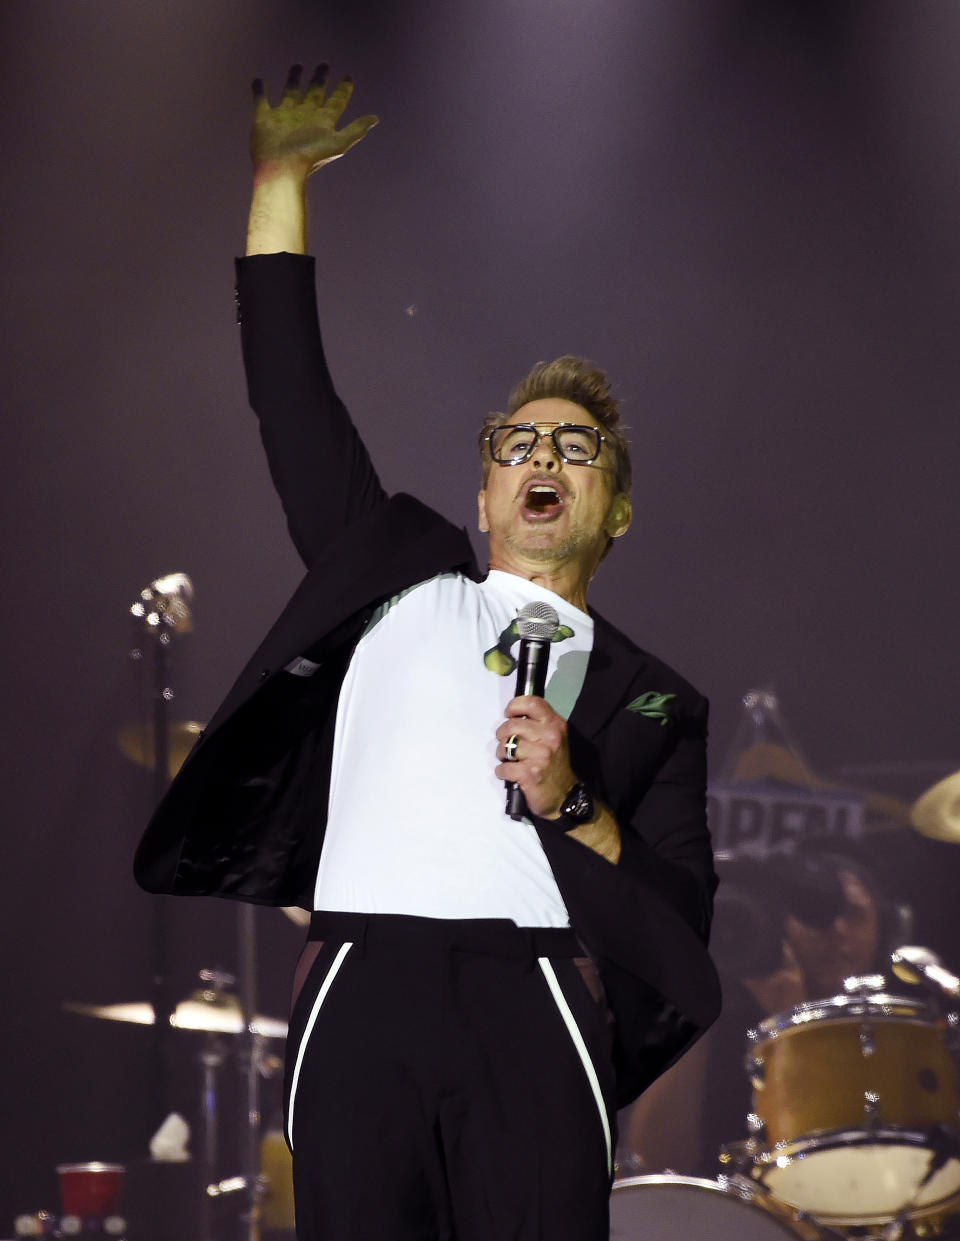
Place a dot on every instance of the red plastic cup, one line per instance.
(90, 1190)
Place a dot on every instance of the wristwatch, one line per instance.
(577, 808)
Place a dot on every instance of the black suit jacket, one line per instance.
(245, 816)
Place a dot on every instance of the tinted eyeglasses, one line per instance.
(511, 445)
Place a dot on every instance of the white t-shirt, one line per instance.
(416, 820)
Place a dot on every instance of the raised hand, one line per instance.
(287, 144)
(299, 135)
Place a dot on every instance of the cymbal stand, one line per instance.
(158, 621)
(211, 1060)
(251, 1054)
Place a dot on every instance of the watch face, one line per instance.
(579, 804)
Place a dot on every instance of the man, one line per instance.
(848, 939)
(477, 994)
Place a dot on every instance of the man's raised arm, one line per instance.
(318, 462)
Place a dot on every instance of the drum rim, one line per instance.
(93, 1166)
(846, 1007)
(827, 1139)
(667, 1178)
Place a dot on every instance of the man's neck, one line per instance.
(565, 579)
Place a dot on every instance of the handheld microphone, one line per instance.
(538, 622)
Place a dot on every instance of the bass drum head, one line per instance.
(684, 1208)
(856, 1180)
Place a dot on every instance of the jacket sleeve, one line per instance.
(667, 838)
(319, 464)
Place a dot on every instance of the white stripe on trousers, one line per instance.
(308, 1030)
(571, 1024)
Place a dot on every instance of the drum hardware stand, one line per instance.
(944, 1145)
(252, 1063)
(761, 723)
(211, 1059)
(161, 610)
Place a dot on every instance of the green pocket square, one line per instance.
(656, 706)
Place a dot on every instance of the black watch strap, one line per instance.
(577, 807)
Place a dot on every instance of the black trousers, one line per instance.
(448, 1081)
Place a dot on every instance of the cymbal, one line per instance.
(767, 760)
(136, 743)
(220, 1015)
(936, 813)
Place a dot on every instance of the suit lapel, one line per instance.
(613, 667)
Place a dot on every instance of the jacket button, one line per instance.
(264, 673)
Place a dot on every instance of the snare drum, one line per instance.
(684, 1208)
(855, 1102)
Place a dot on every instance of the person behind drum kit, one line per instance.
(479, 990)
(858, 938)
(785, 930)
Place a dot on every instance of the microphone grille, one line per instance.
(538, 620)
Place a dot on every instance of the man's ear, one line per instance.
(619, 515)
(482, 523)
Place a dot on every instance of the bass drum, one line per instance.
(684, 1208)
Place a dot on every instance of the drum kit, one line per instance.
(854, 1130)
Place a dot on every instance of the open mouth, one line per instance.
(542, 500)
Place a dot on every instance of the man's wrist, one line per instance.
(275, 171)
(278, 217)
(576, 808)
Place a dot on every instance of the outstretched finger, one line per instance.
(261, 104)
(339, 97)
(317, 86)
(291, 88)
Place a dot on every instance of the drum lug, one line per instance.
(756, 1127)
(871, 1106)
(893, 1231)
(739, 1157)
(754, 1065)
(867, 1042)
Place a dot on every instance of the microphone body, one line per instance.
(537, 623)
(532, 660)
